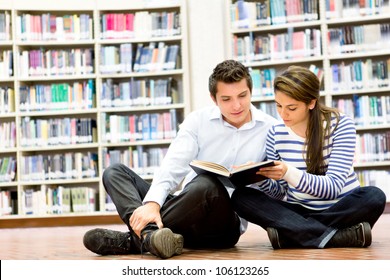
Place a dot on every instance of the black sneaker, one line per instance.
(274, 238)
(355, 236)
(108, 242)
(163, 243)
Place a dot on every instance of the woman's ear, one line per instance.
(312, 104)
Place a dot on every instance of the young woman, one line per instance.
(313, 198)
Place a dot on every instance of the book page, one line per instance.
(212, 165)
(251, 165)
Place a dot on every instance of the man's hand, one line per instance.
(145, 214)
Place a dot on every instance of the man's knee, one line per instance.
(207, 184)
(110, 170)
(113, 171)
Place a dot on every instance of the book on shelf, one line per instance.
(245, 174)
(5, 25)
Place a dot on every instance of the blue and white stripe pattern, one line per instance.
(313, 191)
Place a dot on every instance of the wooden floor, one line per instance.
(65, 243)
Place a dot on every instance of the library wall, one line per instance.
(207, 46)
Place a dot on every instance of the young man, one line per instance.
(201, 216)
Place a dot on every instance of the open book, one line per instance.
(243, 175)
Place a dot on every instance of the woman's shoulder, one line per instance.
(278, 127)
(346, 119)
(343, 124)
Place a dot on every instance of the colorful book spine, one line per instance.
(52, 27)
(54, 166)
(155, 126)
(57, 96)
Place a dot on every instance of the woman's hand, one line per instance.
(274, 172)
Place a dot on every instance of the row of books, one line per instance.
(51, 62)
(7, 134)
(269, 108)
(372, 147)
(144, 58)
(286, 11)
(70, 165)
(136, 92)
(359, 38)
(319, 71)
(7, 169)
(378, 178)
(5, 26)
(365, 109)
(262, 81)
(116, 59)
(147, 126)
(109, 204)
(8, 202)
(6, 64)
(289, 45)
(7, 100)
(142, 160)
(141, 24)
(249, 14)
(58, 200)
(48, 27)
(156, 57)
(360, 74)
(353, 8)
(57, 96)
(58, 131)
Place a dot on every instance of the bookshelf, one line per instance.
(83, 85)
(344, 42)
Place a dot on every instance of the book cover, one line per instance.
(243, 175)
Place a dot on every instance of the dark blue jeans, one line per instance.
(202, 212)
(301, 227)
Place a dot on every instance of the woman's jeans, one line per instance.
(302, 227)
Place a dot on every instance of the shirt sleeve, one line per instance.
(175, 165)
(340, 162)
(274, 188)
(339, 155)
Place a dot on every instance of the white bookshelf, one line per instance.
(96, 110)
(325, 22)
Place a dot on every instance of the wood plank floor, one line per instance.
(65, 243)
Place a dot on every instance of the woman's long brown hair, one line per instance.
(303, 85)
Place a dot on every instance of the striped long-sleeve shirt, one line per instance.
(313, 191)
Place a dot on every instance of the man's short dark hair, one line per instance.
(229, 71)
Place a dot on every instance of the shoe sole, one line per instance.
(166, 243)
(274, 238)
(366, 231)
